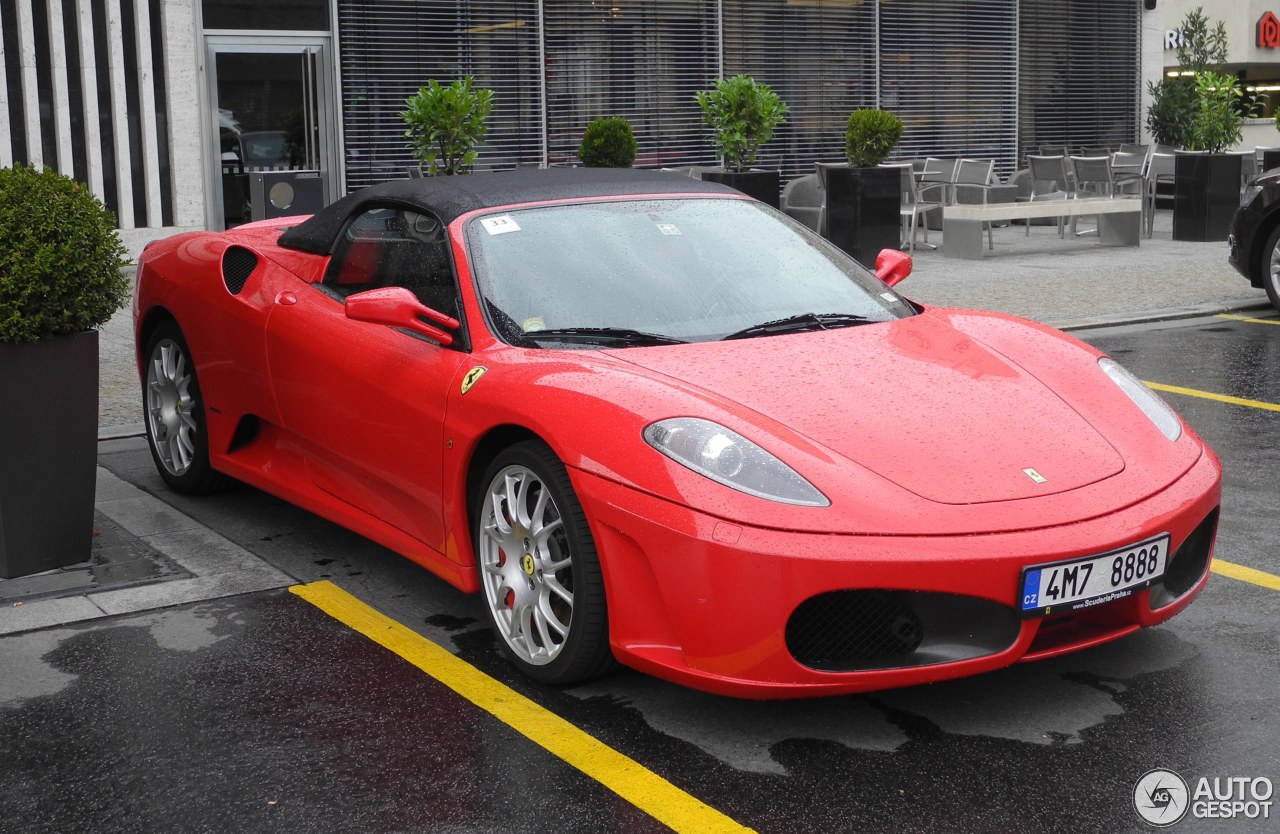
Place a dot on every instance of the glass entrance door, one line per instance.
(272, 131)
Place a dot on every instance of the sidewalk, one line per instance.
(1071, 283)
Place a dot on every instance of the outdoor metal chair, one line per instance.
(1248, 166)
(972, 184)
(1159, 170)
(913, 205)
(1049, 181)
(805, 199)
(1093, 178)
(1129, 170)
(938, 170)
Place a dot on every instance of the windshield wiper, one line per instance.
(799, 323)
(601, 335)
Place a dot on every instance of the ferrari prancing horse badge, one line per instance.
(472, 377)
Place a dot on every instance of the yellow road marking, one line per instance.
(1206, 395)
(624, 776)
(1257, 577)
(1248, 319)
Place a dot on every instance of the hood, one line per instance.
(915, 401)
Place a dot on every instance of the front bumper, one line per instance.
(706, 602)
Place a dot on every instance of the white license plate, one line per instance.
(1093, 580)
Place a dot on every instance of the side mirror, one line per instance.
(892, 266)
(398, 307)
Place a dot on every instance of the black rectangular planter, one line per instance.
(48, 452)
(761, 184)
(1270, 159)
(1206, 193)
(863, 210)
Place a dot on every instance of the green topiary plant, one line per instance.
(60, 257)
(1176, 101)
(744, 114)
(870, 136)
(1216, 124)
(1173, 109)
(608, 142)
(446, 124)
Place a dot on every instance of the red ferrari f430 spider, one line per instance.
(654, 422)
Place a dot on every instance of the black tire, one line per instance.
(556, 554)
(173, 413)
(1269, 267)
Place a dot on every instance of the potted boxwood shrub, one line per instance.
(608, 142)
(863, 199)
(1206, 186)
(446, 124)
(60, 261)
(743, 114)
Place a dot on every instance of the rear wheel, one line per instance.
(543, 589)
(1271, 268)
(175, 421)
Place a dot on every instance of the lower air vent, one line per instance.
(845, 631)
(238, 264)
(1188, 564)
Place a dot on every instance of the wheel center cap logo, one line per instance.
(526, 562)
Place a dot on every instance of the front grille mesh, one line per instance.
(238, 264)
(851, 629)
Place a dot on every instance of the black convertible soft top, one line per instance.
(451, 197)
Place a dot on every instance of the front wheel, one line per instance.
(543, 589)
(1271, 268)
(175, 414)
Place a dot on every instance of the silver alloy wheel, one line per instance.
(171, 406)
(1273, 268)
(526, 566)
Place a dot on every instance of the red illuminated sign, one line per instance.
(1269, 31)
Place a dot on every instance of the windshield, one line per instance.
(611, 274)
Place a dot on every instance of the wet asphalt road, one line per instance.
(259, 713)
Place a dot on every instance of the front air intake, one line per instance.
(238, 264)
(1188, 563)
(872, 628)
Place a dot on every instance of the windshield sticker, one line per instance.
(533, 324)
(668, 228)
(499, 225)
(889, 297)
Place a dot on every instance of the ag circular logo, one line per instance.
(1160, 797)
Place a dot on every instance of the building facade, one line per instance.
(185, 114)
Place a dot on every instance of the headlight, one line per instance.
(727, 457)
(1250, 191)
(1144, 398)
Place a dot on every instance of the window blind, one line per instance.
(641, 59)
(390, 48)
(947, 69)
(1080, 73)
(819, 56)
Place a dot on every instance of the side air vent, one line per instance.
(238, 264)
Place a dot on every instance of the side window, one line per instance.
(395, 247)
